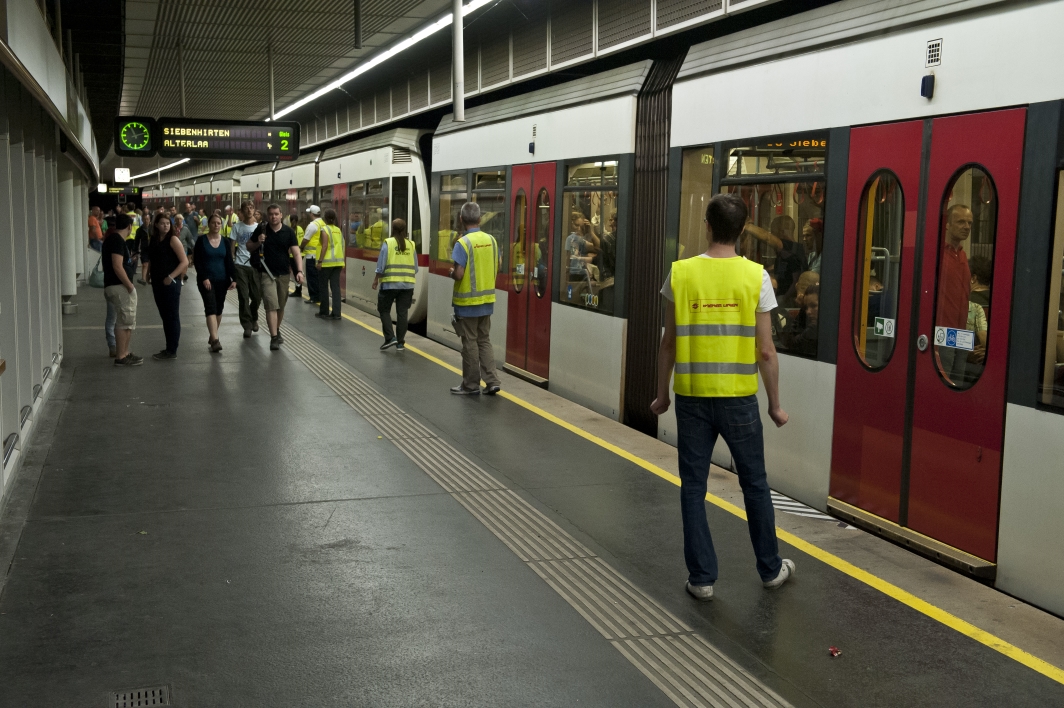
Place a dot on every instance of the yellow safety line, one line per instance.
(903, 596)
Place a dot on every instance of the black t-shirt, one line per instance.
(113, 243)
(274, 249)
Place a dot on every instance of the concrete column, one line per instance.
(68, 239)
(81, 225)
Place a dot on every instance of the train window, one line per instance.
(356, 212)
(401, 199)
(589, 251)
(785, 234)
(453, 195)
(965, 271)
(1052, 389)
(415, 216)
(375, 218)
(880, 226)
(518, 250)
(490, 180)
(802, 155)
(543, 229)
(490, 193)
(696, 187)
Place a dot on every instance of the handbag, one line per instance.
(96, 276)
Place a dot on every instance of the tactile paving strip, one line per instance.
(682, 664)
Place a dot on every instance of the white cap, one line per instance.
(313, 209)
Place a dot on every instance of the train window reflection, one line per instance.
(414, 228)
(1052, 388)
(490, 194)
(785, 234)
(965, 274)
(543, 222)
(696, 187)
(801, 155)
(595, 174)
(880, 226)
(375, 222)
(356, 212)
(589, 248)
(490, 180)
(453, 195)
(519, 267)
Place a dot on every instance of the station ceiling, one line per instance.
(225, 51)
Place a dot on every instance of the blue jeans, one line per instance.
(109, 325)
(698, 423)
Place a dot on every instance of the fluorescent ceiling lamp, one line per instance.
(164, 167)
(384, 56)
(102, 188)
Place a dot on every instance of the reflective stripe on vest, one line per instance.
(715, 301)
(399, 267)
(335, 256)
(477, 286)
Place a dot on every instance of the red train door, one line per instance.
(919, 421)
(528, 281)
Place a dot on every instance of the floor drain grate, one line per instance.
(138, 697)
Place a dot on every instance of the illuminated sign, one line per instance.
(123, 190)
(227, 140)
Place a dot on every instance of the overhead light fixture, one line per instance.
(164, 167)
(384, 56)
(102, 188)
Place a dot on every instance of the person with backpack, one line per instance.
(396, 271)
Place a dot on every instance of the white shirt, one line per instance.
(766, 303)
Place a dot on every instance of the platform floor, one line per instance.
(327, 526)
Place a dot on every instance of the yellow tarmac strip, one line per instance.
(903, 596)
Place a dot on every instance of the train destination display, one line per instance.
(180, 137)
(141, 136)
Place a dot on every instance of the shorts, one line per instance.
(214, 299)
(274, 291)
(125, 305)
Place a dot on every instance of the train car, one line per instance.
(225, 191)
(552, 173)
(202, 192)
(370, 182)
(256, 184)
(903, 187)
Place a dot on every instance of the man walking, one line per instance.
(273, 243)
(247, 280)
(119, 291)
(718, 334)
(330, 265)
(476, 263)
(310, 246)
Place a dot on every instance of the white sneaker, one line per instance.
(786, 571)
(703, 593)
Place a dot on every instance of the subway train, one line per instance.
(903, 175)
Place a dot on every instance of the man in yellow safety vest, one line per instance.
(330, 264)
(476, 263)
(718, 334)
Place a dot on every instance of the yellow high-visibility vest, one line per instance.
(299, 240)
(314, 244)
(477, 285)
(399, 267)
(335, 256)
(715, 301)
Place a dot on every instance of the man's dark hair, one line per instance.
(981, 269)
(122, 221)
(726, 215)
(329, 216)
(274, 206)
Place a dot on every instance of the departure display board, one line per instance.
(226, 140)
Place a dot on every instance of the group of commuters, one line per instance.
(591, 250)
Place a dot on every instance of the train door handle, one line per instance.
(921, 342)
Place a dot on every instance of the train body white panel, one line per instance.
(587, 358)
(878, 79)
(188, 190)
(1030, 525)
(298, 177)
(798, 455)
(601, 128)
(359, 279)
(203, 189)
(261, 182)
(371, 164)
(222, 186)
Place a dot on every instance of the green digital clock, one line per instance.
(134, 136)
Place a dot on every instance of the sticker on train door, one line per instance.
(955, 338)
(884, 327)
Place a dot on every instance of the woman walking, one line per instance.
(167, 263)
(396, 268)
(215, 274)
